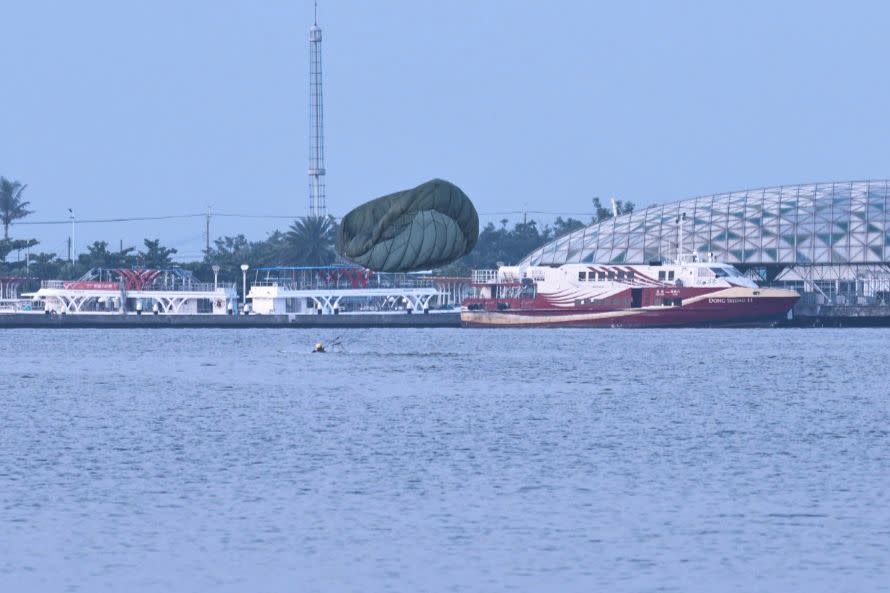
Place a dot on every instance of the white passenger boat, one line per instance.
(687, 292)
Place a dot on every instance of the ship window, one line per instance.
(671, 275)
(621, 275)
(611, 275)
(661, 274)
(630, 276)
(601, 275)
(582, 275)
(720, 272)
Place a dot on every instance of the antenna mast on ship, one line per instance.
(317, 205)
(681, 220)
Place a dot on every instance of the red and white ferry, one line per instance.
(688, 292)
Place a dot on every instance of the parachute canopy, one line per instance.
(416, 229)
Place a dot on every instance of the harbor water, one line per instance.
(445, 460)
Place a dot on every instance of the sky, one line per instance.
(141, 109)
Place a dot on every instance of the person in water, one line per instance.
(319, 347)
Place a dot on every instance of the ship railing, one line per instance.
(52, 283)
(190, 287)
(374, 282)
(485, 276)
(171, 287)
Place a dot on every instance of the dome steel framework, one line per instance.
(815, 224)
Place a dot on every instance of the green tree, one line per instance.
(46, 266)
(563, 227)
(310, 241)
(273, 251)
(503, 245)
(12, 207)
(230, 251)
(7, 246)
(602, 213)
(155, 255)
(99, 256)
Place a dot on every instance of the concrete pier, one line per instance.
(368, 320)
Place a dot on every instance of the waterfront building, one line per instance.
(341, 289)
(121, 291)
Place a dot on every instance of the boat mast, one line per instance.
(681, 219)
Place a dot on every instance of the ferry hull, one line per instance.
(724, 308)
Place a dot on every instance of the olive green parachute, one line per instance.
(416, 229)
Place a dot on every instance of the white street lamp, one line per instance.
(215, 268)
(244, 268)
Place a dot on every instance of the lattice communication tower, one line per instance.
(317, 206)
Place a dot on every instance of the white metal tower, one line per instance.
(317, 205)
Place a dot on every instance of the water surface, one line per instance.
(445, 460)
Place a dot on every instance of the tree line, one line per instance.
(307, 242)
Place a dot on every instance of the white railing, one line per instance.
(190, 287)
(53, 283)
(20, 305)
(393, 281)
(87, 285)
(485, 276)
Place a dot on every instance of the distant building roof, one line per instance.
(841, 222)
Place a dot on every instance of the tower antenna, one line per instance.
(317, 205)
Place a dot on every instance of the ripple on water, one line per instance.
(430, 460)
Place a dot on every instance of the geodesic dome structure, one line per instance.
(834, 223)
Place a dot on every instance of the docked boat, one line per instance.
(688, 292)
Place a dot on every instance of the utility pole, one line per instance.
(71, 239)
(207, 233)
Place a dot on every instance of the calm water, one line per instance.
(445, 460)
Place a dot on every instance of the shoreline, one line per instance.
(369, 320)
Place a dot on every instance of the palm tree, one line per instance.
(11, 205)
(310, 240)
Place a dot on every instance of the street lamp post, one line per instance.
(215, 269)
(244, 268)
